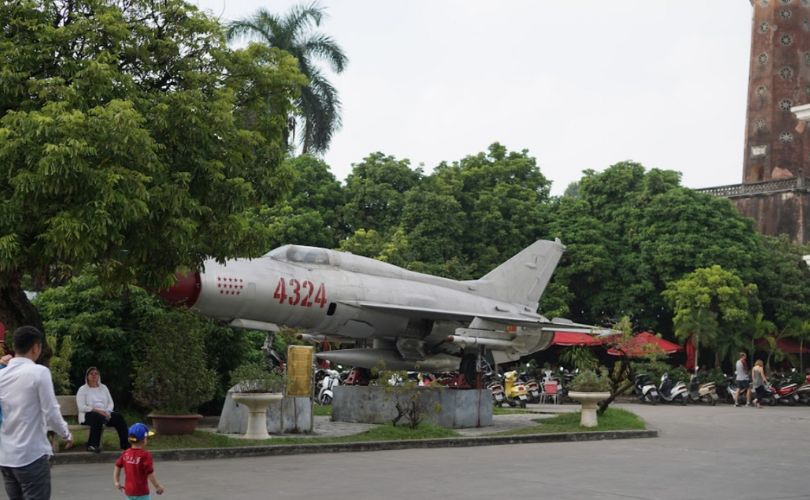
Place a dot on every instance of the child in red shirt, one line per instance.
(137, 465)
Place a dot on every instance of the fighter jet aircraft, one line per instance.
(413, 321)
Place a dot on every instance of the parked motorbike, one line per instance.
(645, 389)
(496, 388)
(785, 393)
(515, 391)
(803, 392)
(705, 393)
(672, 392)
(532, 387)
(731, 388)
(770, 398)
(330, 380)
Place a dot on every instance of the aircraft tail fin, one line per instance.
(523, 278)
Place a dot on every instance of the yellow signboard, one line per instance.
(299, 370)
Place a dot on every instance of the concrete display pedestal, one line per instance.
(257, 404)
(589, 401)
(289, 415)
(451, 408)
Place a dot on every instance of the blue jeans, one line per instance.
(31, 482)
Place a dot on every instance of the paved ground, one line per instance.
(703, 452)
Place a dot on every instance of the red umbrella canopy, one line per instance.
(567, 339)
(643, 344)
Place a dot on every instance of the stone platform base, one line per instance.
(451, 408)
(291, 415)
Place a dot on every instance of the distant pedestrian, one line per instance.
(759, 379)
(29, 408)
(136, 462)
(743, 381)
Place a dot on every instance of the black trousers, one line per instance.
(31, 482)
(97, 423)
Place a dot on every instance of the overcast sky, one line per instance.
(581, 84)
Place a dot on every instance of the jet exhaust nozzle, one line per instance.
(185, 291)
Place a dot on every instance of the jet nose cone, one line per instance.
(185, 291)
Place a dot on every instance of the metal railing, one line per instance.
(779, 185)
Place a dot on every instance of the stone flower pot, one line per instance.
(589, 401)
(257, 404)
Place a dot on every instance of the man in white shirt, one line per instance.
(29, 409)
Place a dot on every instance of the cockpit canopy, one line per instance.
(300, 254)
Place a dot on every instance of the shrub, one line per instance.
(589, 381)
(60, 364)
(254, 377)
(172, 376)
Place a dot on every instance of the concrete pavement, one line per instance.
(702, 452)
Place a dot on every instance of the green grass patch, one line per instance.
(509, 411)
(202, 439)
(322, 410)
(614, 419)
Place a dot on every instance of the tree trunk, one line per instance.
(16, 311)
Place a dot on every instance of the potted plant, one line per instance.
(256, 387)
(589, 389)
(171, 376)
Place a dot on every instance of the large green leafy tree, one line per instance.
(714, 305)
(602, 266)
(375, 193)
(318, 102)
(629, 231)
(503, 197)
(783, 280)
(131, 137)
(310, 213)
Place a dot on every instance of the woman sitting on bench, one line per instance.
(96, 410)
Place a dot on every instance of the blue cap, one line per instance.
(139, 431)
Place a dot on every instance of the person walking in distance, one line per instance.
(136, 462)
(29, 409)
(759, 379)
(743, 381)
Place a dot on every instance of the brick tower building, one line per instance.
(777, 144)
(779, 79)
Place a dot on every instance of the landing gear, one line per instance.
(469, 368)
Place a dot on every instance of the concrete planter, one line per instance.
(589, 401)
(174, 424)
(257, 404)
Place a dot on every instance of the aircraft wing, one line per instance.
(523, 319)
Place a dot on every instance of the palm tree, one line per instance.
(319, 103)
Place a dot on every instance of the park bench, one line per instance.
(70, 412)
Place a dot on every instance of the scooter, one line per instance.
(328, 384)
(770, 397)
(496, 388)
(646, 391)
(515, 390)
(532, 387)
(706, 393)
(672, 392)
(731, 388)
